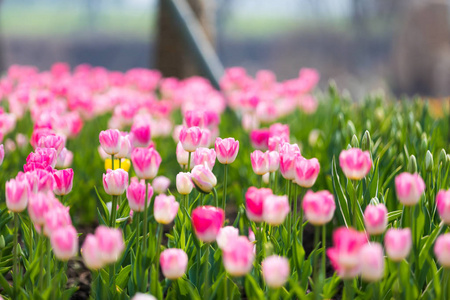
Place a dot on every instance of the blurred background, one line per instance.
(402, 46)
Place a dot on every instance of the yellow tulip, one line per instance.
(125, 164)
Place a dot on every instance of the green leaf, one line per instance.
(252, 289)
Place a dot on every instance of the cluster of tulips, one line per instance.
(261, 230)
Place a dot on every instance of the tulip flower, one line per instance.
(92, 257)
(260, 162)
(184, 183)
(204, 155)
(165, 209)
(183, 156)
(238, 256)
(375, 219)
(140, 296)
(275, 209)
(125, 147)
(110, 243)
(38, 206)
(226, 234)
(140, 134)
(226, 150)
(206, 138)
(345, 253)
(355, 163)
(17, 191)
(54, 141)
(306, 171)
(443, 205)
(203, 178)
(372, 262)
(63, 182)
(2, 154)
(146, 162)
(136, 195)
(115, 182)
(64, 242)
(207, 221)
(288, 157)
(442, 250)
(274, 161)
(398, 243)
(190, 138)
(254, 199)
(161, 184)
(110, 140)
(409, 188)
(275, 271)
(65, 159)
(173, 263)
(44, 157)
(319, 207)
(56, 217)
(40, 180)
(260, 139)
(275, 142)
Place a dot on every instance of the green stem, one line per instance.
(202, 197)
(302, 194)
(112, 277)
(324, 242)
(112, 222)
(41, 261)
(445, 278)
(158, 246)
(275, 183)
(224, 197)
(189, 162)
(15, 255)
(315, 264)
(354, 205)
(112, 162)
(206, 286)
(289, 217)
(138, 227)
(348, 289)
(120, 163)
(199, 262)
(145, 218)
(49, 263)
(259, 181)
(225, 290)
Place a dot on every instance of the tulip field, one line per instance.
(161, 188)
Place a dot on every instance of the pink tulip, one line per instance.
(184, 183)
(64, 242)
(63, 182)
(110, 140)
(53, 141)
(280, 130)
(260, 139)
(165, 209)
(275, 209)
(115, 182)
(274, 161)
(207, 221)
(372, 262)
(183, 156)
(443, 205)
(206, 139)
(2, 154)
(44, 157)
(226, 234)
(345, 253)
(140, 134)
(125, 146)
(56, 217)
(161, 184)
(254, 199)
(375, 219)
(40, 180)
(226, 150)
(194, 118)
(409, 188)
(146, 162)
(203, 178)
(173, 263)
(91, 255)
(190, 138)
(37, 134)
(275, 271)
(238, 256)
(442, 250)
(65, 159)
(141, 296)
(288, 157)
(275, 142)
(260, 162)
(318, 207)
(204, 155)
(110, 243)
(38, 206)
(17, 191)
(355, 163)
(398, 243)
(136, 195)
(306, 171)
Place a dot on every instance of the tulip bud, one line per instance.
(418, 128)
(355, 163)
(17, 192)
(354, 142)
(184, 183)
(372, 262)
(443, 205)
(341, 120)
(226, 234)
(64, 242)
(173, 263)
(203, 179)
(238, 256)
(375, 218)
(409, 188)
(424, 142)
(398, 243)
(429, 162)
(319, 207)
(165, 209)
(442, 250)
(350, 128)
(110, 141)
(275, 271)
(275, 209)
(306, 171)
(190, 138)
(366, 143)
(63, 182)
(226, 150)
(442, 158)
(2, 242)
(412, 164)
(447, 159)
(207, 221)
(260, 162)
(136, 195)
(146, 162)
(115, 182)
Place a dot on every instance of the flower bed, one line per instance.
(248, 192)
